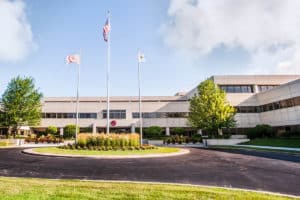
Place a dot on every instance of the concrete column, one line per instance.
(167, 131)
(94, 128)
(61, 132)
(199, 131)
(255, 89)
(132, 128)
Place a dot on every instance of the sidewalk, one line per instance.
(270, 147)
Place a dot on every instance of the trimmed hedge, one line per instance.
(260, 131)
(176, 139)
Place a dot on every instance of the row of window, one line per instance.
(160, 115)
(114, 114)
(69, 115)
(121, 114)
(117, 114)
(245, 88)
(262, 88)
(270, 106)
(237, 88)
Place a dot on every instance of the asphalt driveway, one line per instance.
(203, 167)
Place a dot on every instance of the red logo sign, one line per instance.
(113, 123)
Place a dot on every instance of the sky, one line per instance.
(184, 42)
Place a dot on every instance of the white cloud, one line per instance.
(268, 30)
(16, 39)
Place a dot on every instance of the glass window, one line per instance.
(50, 115)
(115, 114)
(237, 88)
(297, 101)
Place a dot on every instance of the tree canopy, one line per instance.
(209, 109)
(21, 103)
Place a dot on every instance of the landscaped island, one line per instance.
(17, 189)
(106, 145)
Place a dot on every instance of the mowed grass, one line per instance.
(5, 144)
(45, 189)
(276, 142)
(58, 151)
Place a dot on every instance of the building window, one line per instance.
(160, 115)
(270, 106)
(68, 115)
(262, 88)
(115, 114)
(88, 115)
(237, 88)
(50, 115)
(297, 101)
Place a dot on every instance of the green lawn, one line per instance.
(276, 142)
(56, 150)
(42, 189)
(4, 144)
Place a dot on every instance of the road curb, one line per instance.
(161, 155)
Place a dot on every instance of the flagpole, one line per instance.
(140, 101)
(77, 98)
(107, 77)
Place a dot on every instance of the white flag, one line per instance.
(141, 57)
(73, 59)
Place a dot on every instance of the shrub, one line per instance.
(260, 130)
(52, 130)
(177, 131)
(153, 132)
(69, 131)
(196, 138)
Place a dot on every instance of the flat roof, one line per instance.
(254, 79)
(116, 99)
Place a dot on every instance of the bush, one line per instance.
(177, 131)
(176, 139)
(69, 131)
(51, 130)
(153, 132)
(196, 138)
(260, 131)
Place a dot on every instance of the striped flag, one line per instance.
(106, 30)
(73, 59)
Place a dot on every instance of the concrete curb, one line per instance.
(181, 152)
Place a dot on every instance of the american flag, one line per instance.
(106, 30)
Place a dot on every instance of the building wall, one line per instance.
(289, 87)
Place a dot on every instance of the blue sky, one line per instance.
(62, 27)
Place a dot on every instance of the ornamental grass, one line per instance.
(115, 141)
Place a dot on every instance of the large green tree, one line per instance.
(21, 103)
(209, 109)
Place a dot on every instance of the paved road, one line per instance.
(265, 154)
(205, 167)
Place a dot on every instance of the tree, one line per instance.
(69, 131)
(21, 103)
(209, 109)
(51, 130)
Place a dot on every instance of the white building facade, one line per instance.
(259, 99)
